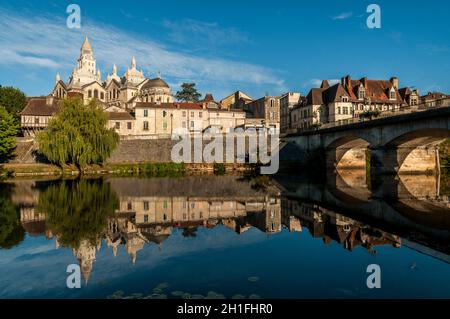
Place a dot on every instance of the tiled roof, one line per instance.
(37, 106)
(376, 90)
(120, 116)
(175, 105)
(315, 96)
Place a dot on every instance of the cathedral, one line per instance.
(116, 92)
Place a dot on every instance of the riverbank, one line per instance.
(12, 170)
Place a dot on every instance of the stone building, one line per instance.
(435, 99)
(350, 99)
(267, 110)
(120, 91)
(138, 107)
(237, 100)
(287, 102)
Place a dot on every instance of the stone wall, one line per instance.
(128, 151)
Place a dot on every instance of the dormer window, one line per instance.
(361, 93)
(392, 94)
(344, 98)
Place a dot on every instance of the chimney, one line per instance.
(49, 100)
(364, 82)
(346, 81)
(325, 84)
(394, 82)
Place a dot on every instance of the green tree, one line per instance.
(78, 210)
(14, 100)
(78, 135)
(11, 230)
(188, 93)
(8, 132)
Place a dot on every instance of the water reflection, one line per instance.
(349, 209)
(409, 206)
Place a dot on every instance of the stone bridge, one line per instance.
(398, 144)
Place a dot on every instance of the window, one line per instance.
(184, 114)
(165, 217)
(36, 120)
(345, 99)
(96, 93)
(339, 110)
(200, 114)
(165, 204)
(146, 218)
(145, 113)
(192, 124)
(183, 124)
(192, 114)
(117, 125)
(345, 110)
(393, 95)
(164, 113)
(102, 95)
(271, 103)
(146, 205)
(89, 94)
(129, 206)
(145, 126)
(129, 125)
(164, 126)
(362, 94)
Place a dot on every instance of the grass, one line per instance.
(219, 169)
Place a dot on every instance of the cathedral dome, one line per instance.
(155, 83)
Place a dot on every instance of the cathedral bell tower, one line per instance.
(86, 69)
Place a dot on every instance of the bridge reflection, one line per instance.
(350, 209)
(410, 206)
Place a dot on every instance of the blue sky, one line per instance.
(258, 47)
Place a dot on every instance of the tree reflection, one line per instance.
(78, 210)
(11, 230)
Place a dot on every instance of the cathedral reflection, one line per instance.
(148, 211)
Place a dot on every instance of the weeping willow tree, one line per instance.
(78, 135)
(11, 230)
(78, 210)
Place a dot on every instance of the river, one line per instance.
(225, 237)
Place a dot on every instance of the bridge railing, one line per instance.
(442, 103)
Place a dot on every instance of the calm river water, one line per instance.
(225, 236)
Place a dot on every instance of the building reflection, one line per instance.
(151, 210)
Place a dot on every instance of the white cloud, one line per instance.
(39, 41)
(202, 33)
(342, 16)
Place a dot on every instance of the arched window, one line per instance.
(102, 95)
(96, 93)
(89, 94)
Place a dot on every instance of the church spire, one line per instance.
(86, 45)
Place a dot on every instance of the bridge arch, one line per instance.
(347, 152)
(416, 151)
